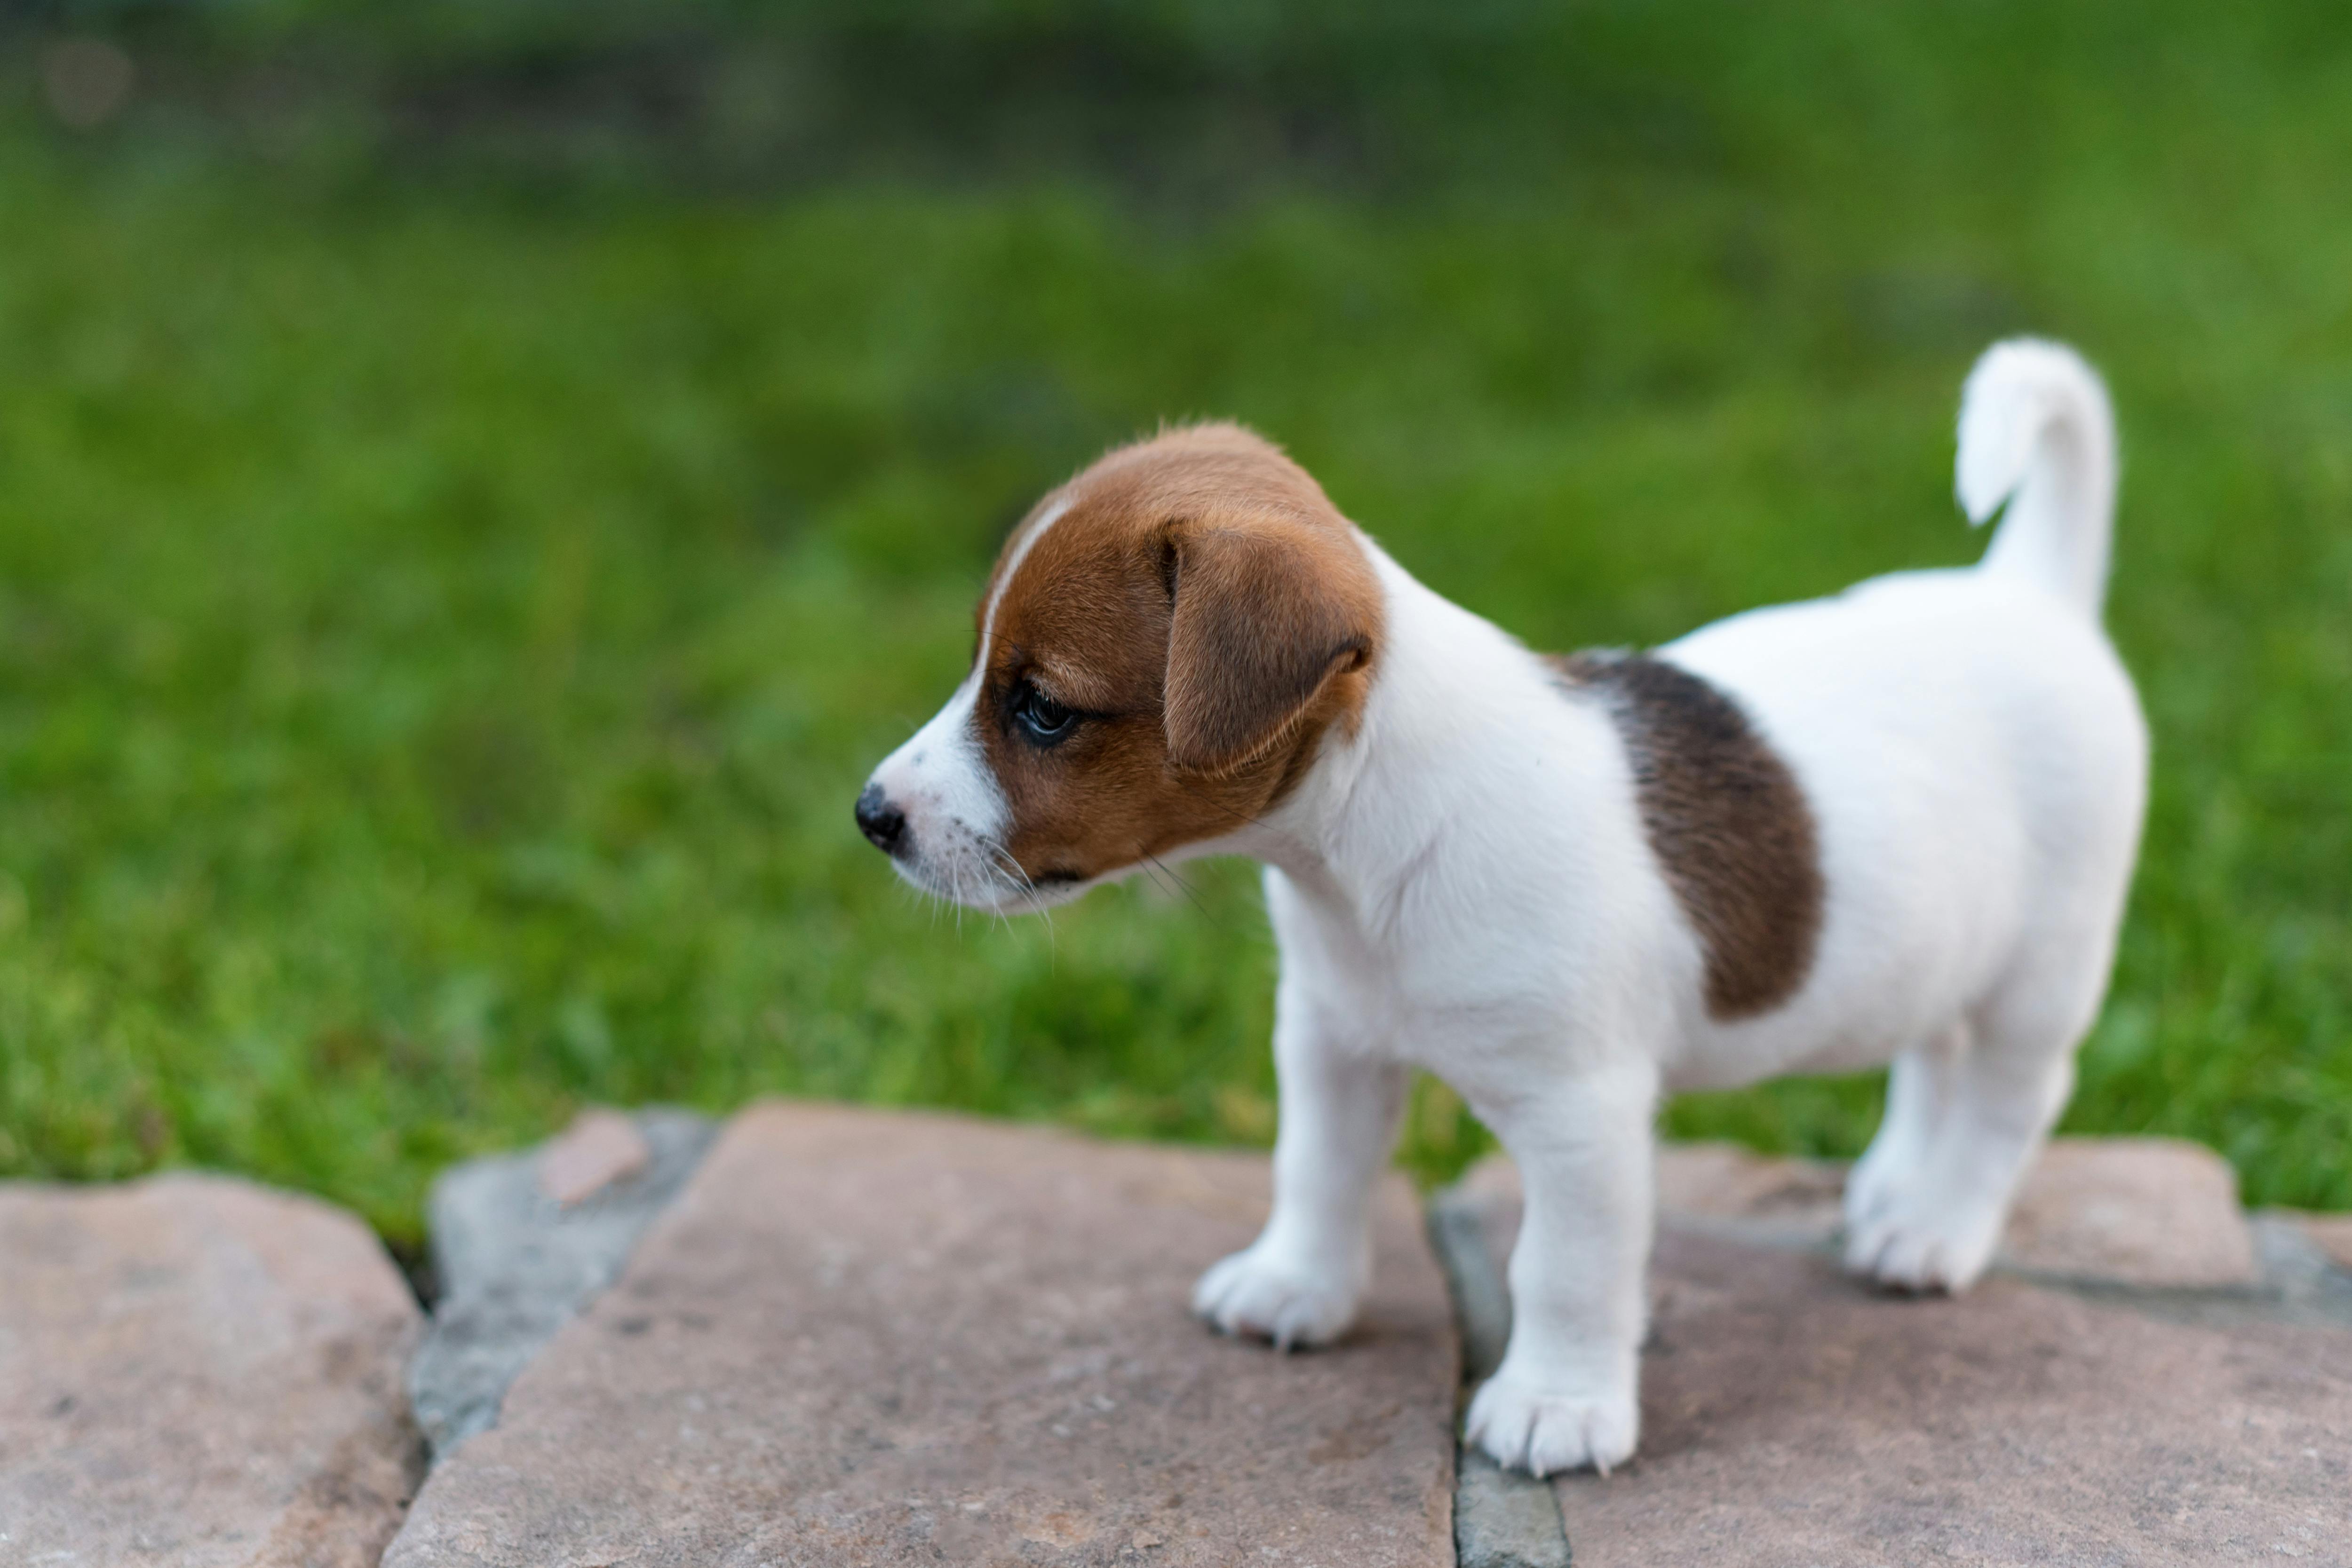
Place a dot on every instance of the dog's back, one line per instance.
(1972, 745)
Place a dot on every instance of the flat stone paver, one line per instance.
(2136, 1211)
(2150, 1212)
(198, 1373)
(2331, 1233)
(864, 1337)
(1793, 1416)
(599, 1150)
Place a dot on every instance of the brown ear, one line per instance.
(1267, 613)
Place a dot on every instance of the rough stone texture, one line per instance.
(2301, 1283)
(518, 1251)
(1795, 1201)
(2137, 1211)
(1503, 1519)
(198, 1372)
(2128, 1211)
(865, 1337)
(599, 1148)
(1791, 1416)
(2331, 1233)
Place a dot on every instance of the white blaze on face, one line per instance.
(956, 812)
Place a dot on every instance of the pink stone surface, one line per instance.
(2136, 1211)
(2127, 1211)
(198, 1373)
(1790, 1201)
(2332, 1234)
(1727, 1180)
(1792, 1415)
(863, 1337)
(598, 1149)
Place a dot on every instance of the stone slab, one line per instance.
(2301, 1283)
(199, 1373)
(2126, 1211)
(1793, 1201)
(864, 1337)
(1792, 1415)
(600, 1148)
(2331, 1233)
(523, 1242)
(2134, 1211)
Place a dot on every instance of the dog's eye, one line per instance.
(1041, 718)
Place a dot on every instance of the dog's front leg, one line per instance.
(1566, 1394)
(1300, 1282)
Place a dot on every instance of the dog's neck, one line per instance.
(1418, 770)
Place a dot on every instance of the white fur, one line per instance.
(1047, 518)
(1465, 885)
(956, 811)
(2036, 432)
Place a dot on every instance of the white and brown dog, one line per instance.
(1896, 825)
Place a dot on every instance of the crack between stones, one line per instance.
(1501, 1519)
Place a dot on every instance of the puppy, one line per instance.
(1896, 825)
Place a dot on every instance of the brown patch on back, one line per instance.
(1728, 821)
(1208, 612)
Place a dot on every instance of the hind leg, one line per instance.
(1940, 1212)
(1920, 1089)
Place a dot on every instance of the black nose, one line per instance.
(880, 821)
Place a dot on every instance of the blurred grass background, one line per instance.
(480, 484)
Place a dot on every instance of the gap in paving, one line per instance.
(1501, 1519)
(520, 1244)
(414, 1261)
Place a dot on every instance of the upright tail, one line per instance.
(2036, 432)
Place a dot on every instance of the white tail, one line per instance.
(2036, 432)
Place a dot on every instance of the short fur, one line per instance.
(1727, 819)
(1896, 825)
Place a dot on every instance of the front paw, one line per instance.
(1253, 1293)
(1541, 1430)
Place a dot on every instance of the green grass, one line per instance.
(442, 623)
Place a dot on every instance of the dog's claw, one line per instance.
(1544, 1432)
(1285, 1304)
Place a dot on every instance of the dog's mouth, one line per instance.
(975, 874)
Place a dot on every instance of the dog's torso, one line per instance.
(1964, 746)
(1976, 759)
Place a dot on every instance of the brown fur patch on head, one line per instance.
(1208, 614)
(1728, 821)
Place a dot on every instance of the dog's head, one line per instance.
(1162, 646)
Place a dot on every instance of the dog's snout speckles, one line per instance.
(884, 825)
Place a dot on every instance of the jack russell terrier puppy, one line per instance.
(1896, 825)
